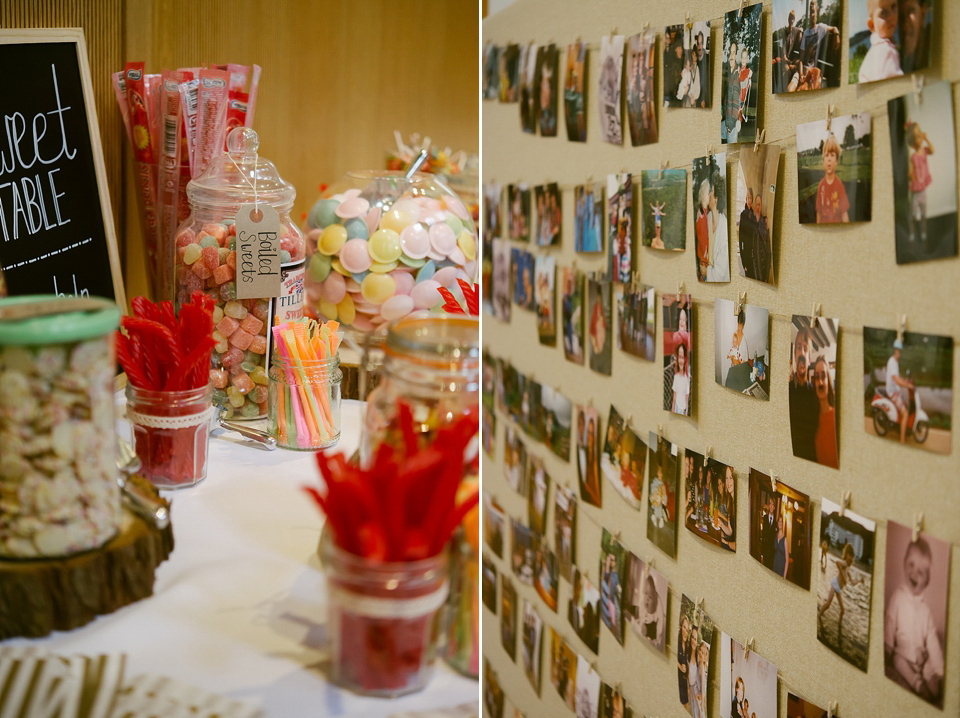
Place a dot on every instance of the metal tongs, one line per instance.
(147, 507)
(218, 425)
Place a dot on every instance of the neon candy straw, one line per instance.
(300, 336)
(294, 403)
(305, 398)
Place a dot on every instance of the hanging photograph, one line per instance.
(553, 421)
(641, 104)
(613, 704)
(687, 78)
(531, 640)
(780, 524)
(530, 409)
(909, 388)
(547, 198)
(664, 209)
(583, 611)
(889, 38)
(518, 211)
(636, 319)
(741, 86)
(492, 192)
(664, 467)
(546, 576)
(845, 583)
(489, 584)
(915, 611)
(588, 454)
(565, 529)
(612, 567)
(599, 297)
(813, 389)
(742, 348)
(756, 191)
(527, 71)
(514, 384)
(797, 707)
(563, 669)
(806, 44)
(486, 274)
(834, 170)
(545, 83)
(677, 353)
(588, 690)
(522, 262)
(694, 639)
(624, 460)
(491, 71)
(493, 698)
(588, 222)
(572, 313)
(545, 298)
(523, 551)
(923, 146)
(488, 424)
(538, 486)
(515, 462)
(508, 617)
(711, 224)
(510, 73)
(493, 520)
(748, 682)
(645, 602)
(574, 99)
(619, 226)
(502, 276)
(711, 500)
(608, 88)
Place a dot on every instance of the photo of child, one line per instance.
(546, 575)
(694, 638)
(619, 226)
(508, 617)
(741, 349)
(780, 524)
(518, 211)
(924, 174)
(523, 551)
(545, 81)
(554, 417)
(493, 520)
(612, 567)
(588, 690)
(563, 669)
(664, 207)
(915, 611)
(523, 268)
(600, 311)
(748, 682)
(645, 602)
(711, 224)
(509, 64)
(547, 198)
(664, 467)
(588, 455)
(742, 33)
(813, 389)
(687, 78)
(538, 486)
(531, 641)
(889, 38)
(588, 222)
(502, 276)
(515, 462)
(806, 46)
(834, 170)
(583, 611)
(641, 70)
(565, 529)
(527, 67)
(624, 459)
(572, 314)
(756, 191)
(608, 88)
(909, 388)
(489, 584)
(797, 707)
(636, 317)
(677, 353)
(545, 298)
(574, 105)
(711, 500)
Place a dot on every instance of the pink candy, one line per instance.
(442, 238)
(446, 276)
(396, 306)
(352, 207)
(425, 294)
(415, 241)
(354, 255)
(334, 288)
(403, 280)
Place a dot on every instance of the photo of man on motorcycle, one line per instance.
(894, 382)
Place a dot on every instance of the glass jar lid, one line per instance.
(240, 175)
(97, 317)
(440, 340)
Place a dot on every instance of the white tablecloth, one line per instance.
(239, 608)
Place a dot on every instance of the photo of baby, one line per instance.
(711, 223)
(687, 78)
(845, 583)
(741, 349)
(608, 88)
(813, 389)
(612, 567)
(636, 318)
(624, 459)
(694, 639)
(545, 82)
(711, 500)
(664, 209)
(834, 170)
(645, 602)
(888, 38)
(563, 669)
(583, 611)
(523, 267)
(754, 210)
(565, 529)
(806, 44)
(545, 298)
(527, 67)
(572, 313)
(740, 88)
(924, 174)
(619, 226)
(502, 277)
(915, 611)
(574, 104)
(508, 617)
(547, 198)
(641, 70)
(509, 64)
(664, 467)
(780, 525)
(518, 211)
(588, 455)
(588, 222)
(600, 311)
(748, 682)
(677, 353)
(531, 640)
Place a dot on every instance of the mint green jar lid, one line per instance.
(86, 318)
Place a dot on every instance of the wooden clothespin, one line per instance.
(628, 420)
(774, 482)
(741, 300)
(679, 288)
(750, 645)
(816, 309)
(918, 83)
(700, 610)
(660, 431)
(740, 11)
(663, 163)
(832, 709)
(830, 109)
(917, 526)
(759, 140)
(844, 503)
(706, 458)
(709, 149)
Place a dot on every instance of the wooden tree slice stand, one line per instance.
(45, 595)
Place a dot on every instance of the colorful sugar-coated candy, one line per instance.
(425, 294)
(334, 288)
(356, 228)
(332, 239)
(354, 256)
(395, 220)
(447, 276)
(346, 312)
(397, 306)
(468, 245)
(383, 267)
(403, 281)
(353, 207)
(384, 246)
(377, 288)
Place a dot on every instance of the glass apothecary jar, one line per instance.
(380, 244)
(206, 260)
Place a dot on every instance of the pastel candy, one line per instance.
(409, 207)
(470, 268)
(384, 246)
(456, 206)
(373, 219)
(396, 220)
(356, 228)
(431, 204)
(377, 288)
(396, 306)
(425, 294)
(350, 193)
(403, 280)
(415, 241)
(353, 285)
(436, 256)
(328, 310)
(414, 263)
(332, 239)
(353, 207)
(324, 213)
(359, 276)
(333, 289)
(426, 271)
(338, 268)
(319, 267)
(354, 256)
(346, 311)
(455, 224)
(468, 245)
(456, 256)
(366, 308)
(363, 323)
(446, 276)
(383, 267)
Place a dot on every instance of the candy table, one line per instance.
(239, 607)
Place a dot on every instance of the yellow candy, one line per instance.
(377, 288)
(468, 245)
(384, 246)
(338, 268)
(328, 310)
(347, 310)
(396, 220)
(383, 267)
(332, 239)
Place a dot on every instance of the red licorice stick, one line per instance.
(199, 356)
(455, 518)
(133, 370)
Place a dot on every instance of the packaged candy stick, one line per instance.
(120, 90)
(154, 87)
(238, 76)
(168, 170)
(189, 101)
(252, 95)
(236, 112)
(211, 117)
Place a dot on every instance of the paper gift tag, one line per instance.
(258, 251)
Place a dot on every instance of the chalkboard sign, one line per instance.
(56, 224)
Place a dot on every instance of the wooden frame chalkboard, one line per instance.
(56, 224)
